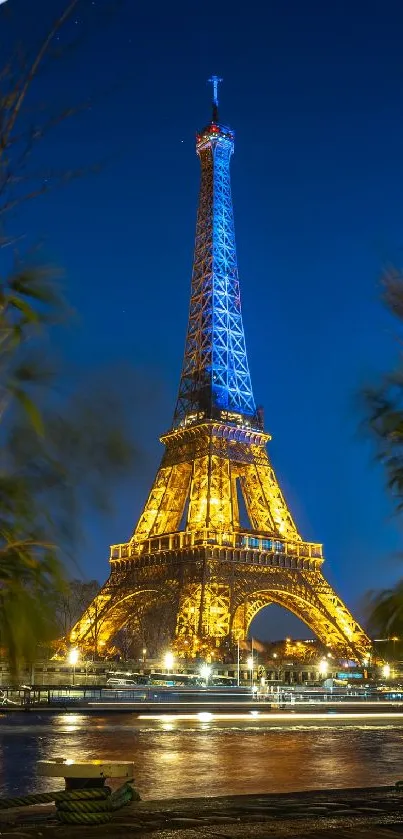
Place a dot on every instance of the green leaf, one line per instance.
(31, 409)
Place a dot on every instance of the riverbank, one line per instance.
(337, 814)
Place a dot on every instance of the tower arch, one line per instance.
(108, 614)
(303, 606)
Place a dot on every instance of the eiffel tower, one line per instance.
(189, 547)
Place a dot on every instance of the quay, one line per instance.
(362, 813)
(185, 703)
(235, 703)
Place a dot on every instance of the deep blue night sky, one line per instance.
(313, 91)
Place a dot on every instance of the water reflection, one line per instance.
(199, 757)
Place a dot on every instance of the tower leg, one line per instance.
(166, 502)
(267, 508)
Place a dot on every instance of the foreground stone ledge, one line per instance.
(364, 813)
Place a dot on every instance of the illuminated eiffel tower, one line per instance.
(189, 546)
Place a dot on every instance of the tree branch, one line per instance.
(18, 97)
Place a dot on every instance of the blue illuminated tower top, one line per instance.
(215, 382)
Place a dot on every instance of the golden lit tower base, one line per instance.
(191, 547)
(217, 575)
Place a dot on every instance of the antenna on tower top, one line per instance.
(215, 81)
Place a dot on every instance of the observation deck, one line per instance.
(244, 546)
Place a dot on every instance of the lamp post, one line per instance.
(169, 660)
(394, 639)
(144, 654)
(72, 659)
(205, 671)
(386, 671)
(250, 667)
(323, 667)
(365, 664)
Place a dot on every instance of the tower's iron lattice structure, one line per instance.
(189, 546)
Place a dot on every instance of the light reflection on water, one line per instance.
(178, 759)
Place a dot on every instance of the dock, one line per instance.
(370, 813)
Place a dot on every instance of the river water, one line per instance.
(177, 758)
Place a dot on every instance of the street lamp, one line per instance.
(250, 667)
(386, 671)
(169, 660)
(72, 658)
(144, 654)
(323, 666)
(205, 671)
